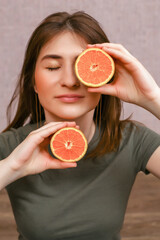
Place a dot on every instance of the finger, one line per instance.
(99, 45)
(116, 46)
(54, 163)
(45, 126)
(39, 136)
(50, 124)
(108, 89)
(124, 58)
(65, 165)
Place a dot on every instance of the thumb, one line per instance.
(108, 89)
(54, 163)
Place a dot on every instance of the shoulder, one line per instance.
(138, 131)
(13, 137)
(19, 134)
(140, 142)
(139, 139)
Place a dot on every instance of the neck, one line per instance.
(87, 125)
(85, 122)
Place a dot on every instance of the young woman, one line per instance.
(86, 200)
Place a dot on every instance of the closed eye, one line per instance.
(53, 68)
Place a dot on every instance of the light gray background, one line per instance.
(133, 23)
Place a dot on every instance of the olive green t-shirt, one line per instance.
(83, 203)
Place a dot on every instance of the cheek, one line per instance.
(93, 99)
(41, 83)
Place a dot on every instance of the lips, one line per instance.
(69, 98)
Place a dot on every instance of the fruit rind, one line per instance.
(92, 84)
(72, 160)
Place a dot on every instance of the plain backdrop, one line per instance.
(135, 24)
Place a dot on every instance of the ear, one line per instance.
(35, 88)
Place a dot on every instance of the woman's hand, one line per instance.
(132, 82)
(31, 156)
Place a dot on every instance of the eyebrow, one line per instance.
(54, 56)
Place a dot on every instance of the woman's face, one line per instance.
(61, 94)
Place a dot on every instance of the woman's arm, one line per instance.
(153, 165)
(132, 82)
(6, 174)
(31, 156)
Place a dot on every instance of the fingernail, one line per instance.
(75, 165)
(90, 45)
(90, 89)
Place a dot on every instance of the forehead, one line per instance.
(64, 43)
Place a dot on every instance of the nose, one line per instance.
(69, 78)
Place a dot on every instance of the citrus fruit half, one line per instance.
(68, 144)
(94, 67)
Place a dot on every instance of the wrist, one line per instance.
(7, 173)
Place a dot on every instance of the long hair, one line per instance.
(107, 113)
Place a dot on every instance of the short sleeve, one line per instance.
(9, 140)
(145, 142)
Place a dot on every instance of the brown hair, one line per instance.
(107, 116)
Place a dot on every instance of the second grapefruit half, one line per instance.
(68, 144)
(94, 67)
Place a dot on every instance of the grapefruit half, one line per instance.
(94, 67)
(68, 144)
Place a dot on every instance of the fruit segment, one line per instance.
(68, 144)
(94, 67)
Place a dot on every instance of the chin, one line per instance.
(71, 112)
(69, 117)
(68, 114)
